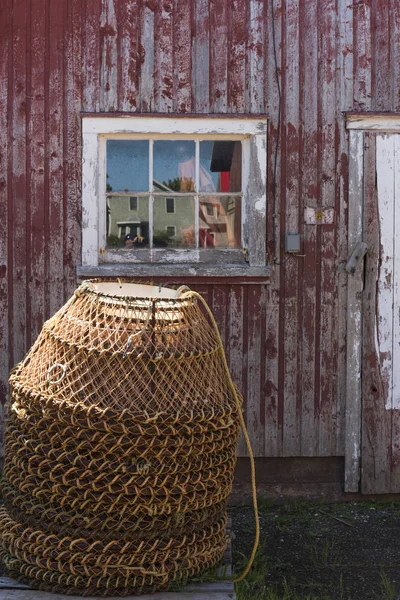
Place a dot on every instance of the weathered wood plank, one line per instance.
(272, 433)
(183, 30)
(163, 56)
(220, 308)
(18, 210)
(385, 170)
(109, 57)
(344, 103)
(146, 58)
(354, 328)
(309, 192)
(128, 55)
(218, 56)
(201, 57)
(237, 56)
(291, 148)
(91, 71)
(274, 317)
(376, 426)
(36, 146)
(395, 413)
(255, 57)
(255, 406)
(395, 54)
(236, 344)
(55, 161)
(72, 140)
(328, 249)
(386, 194)
(6, 99)
(257, 201)
(362, 56)
(382, 67)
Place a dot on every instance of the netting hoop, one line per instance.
(131, 373)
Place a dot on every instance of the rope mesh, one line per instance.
(120, 445)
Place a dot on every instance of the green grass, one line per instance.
(321, 569)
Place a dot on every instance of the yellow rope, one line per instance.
(246, 435)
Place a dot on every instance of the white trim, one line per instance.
(90, 201)
(102, 219)
(374, 122)
(170, 126)
(151, 188)
(96, 131)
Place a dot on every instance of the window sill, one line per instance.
(242, 272)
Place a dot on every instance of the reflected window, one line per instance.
(133, 203)
(170, 205)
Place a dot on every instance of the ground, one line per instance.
(318, 551)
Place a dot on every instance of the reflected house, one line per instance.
(217, 221)
(173, 218)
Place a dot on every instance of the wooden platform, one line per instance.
(11, 590)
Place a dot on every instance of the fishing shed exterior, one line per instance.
(306, 98)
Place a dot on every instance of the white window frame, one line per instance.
(252, 131)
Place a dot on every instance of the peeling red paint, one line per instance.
(286, 347)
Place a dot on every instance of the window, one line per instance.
(171, 231)
(216, 171)
(170, 205)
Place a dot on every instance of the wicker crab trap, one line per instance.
(120, 445)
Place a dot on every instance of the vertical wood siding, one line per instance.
(286, 340)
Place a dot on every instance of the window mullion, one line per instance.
(196, 198)
(151, 199)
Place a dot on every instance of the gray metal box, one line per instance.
(292, 242)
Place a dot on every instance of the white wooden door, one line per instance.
(373, 310)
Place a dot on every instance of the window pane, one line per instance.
(127, 228)
(220, 221)
(220, 166)
(174, 166)
(174, 230)
(127, 166)
(133, 203)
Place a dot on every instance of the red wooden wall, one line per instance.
(285, 340)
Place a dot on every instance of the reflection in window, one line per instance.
(125, 230)
(170, 205)
(220, 166)
(131, 207)
(174, 164)
(221, 226)
(127, 166)
(174, 230)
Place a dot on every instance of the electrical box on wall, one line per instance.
(292, 242)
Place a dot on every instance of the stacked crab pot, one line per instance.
(120, 445)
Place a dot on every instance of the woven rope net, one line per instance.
(120, 445)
